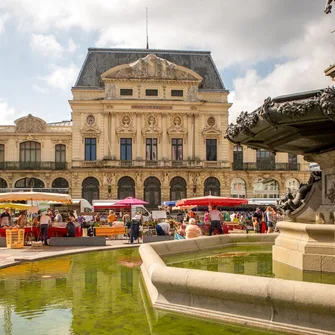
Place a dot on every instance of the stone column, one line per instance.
(165, 144)
(106, 135)
(113, 135)
(189, 137)
(138, 136)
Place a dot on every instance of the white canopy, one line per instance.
(43, 196)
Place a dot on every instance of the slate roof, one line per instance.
(100, 60)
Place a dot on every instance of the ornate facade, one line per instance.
(147, 124)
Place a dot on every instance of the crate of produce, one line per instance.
(15, 238)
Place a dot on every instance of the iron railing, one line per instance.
(48, 190)
(267, 166)
(33, 166)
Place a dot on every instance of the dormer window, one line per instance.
(126, 91)
(177, 93)
(151, 93)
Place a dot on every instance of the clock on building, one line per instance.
(90, 120)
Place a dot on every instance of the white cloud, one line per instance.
(40, 89)
(48, 45)
(309, 56)
(62, 77)
(7, 112)
(3, 19)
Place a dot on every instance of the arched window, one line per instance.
(30, 155)
(238, 188)
(152, 191)
(212, 186)
(177, 188)
(60, 156)
(2, 156)
(292, 185)
(3, 183)
(29, 183)
(61, 184)
(90, 189)
(237, 157)
(125, 188)
(266, 188)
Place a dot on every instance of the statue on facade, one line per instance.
(290, 203)
(328, 8)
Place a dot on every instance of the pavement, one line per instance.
(10, 257)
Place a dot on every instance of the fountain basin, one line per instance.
(276, 304)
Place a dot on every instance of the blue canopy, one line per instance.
(170, 203)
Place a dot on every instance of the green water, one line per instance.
(251, 260)
(92, 293)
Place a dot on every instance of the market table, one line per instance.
(35, 232)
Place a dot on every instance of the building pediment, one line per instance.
(211, 131)
(151, 67)
(126, 128)
(30, 124)
(177, 129)
(90, 131)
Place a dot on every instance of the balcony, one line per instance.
(33, 166)
(47, 190)
(159, 164)
(266, 167)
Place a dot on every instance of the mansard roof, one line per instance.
(99, 61)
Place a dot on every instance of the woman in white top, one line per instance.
(215, 217)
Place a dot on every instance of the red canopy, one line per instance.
(212, 200)
(130, 201)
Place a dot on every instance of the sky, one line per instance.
(262, 48)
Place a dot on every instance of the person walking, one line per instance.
(215, 218)
(44, 228)
(269, 219)
(135, 227)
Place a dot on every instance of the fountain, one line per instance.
(301, 124)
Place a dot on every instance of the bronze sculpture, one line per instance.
(328, 8)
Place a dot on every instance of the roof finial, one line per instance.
(147, 28)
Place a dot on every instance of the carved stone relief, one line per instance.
(151, 67)
(126, 126)
(110, 91)
(177, 128)
(30, 124)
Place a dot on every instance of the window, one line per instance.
(265, 160)
(177, 188)
(211, 150)
(292, 162)
(60, 156)
(2, 156)
(177, 149)
(90, 149)
(3, 183)
(125, 147)
(29, 183)
(177, 93)
(212, 187)
(60, 185)
(238, 188)
(151, 149)
(90, 189)
(125, 188)
(265, 188)
(126, 91)
(30, 155)
(237, 157)
(152, 191)
(151, 93)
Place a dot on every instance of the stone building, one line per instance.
(145, 123)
